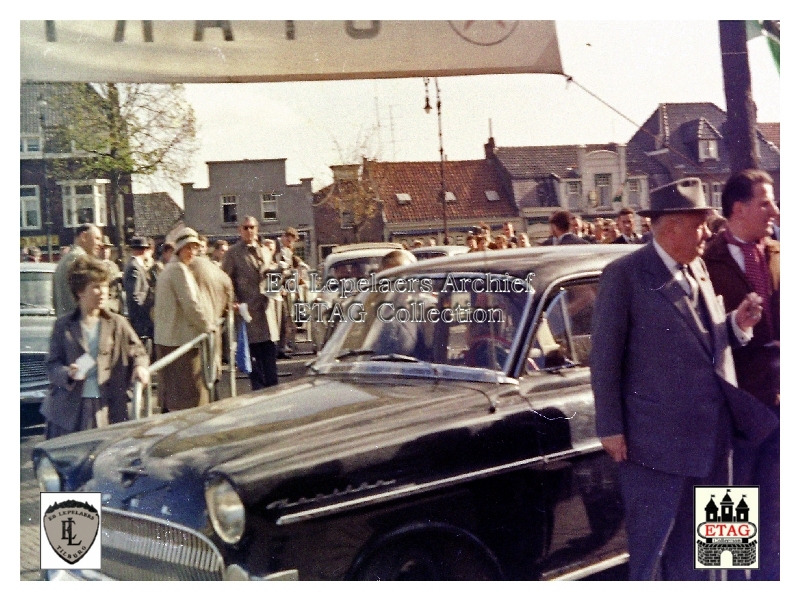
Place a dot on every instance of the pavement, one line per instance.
(32, 432)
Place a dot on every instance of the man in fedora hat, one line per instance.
(666, 400)
(139, 289)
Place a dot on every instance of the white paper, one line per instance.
(245, 312)
(84, 363)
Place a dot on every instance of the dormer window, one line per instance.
(403, 198)
(492, 196)
(708, 150)
(449, 197)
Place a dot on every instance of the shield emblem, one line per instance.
(71, 528)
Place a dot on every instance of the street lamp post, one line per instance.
(442, 190)
(45, 195)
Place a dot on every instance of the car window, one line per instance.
(36, 289)
(563, 334)
(454, 322)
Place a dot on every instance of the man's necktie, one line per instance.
(694, 288)
(756, 272)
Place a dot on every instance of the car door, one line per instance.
(580, 491)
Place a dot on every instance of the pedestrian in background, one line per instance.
(625, 226)
(88, 240)
(94, 356)
(220, 248)
(215, 292)
(560, 233)
(248, 265)
(178, 318)
(116, 293)
(140, 291)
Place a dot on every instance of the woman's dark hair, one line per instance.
(86, 270)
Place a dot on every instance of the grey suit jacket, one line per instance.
(656, 377)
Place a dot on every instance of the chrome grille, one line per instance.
(141, 548)
(32, 368)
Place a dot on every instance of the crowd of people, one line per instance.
(685, 364)
(112, 323)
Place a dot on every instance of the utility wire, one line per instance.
(571, 79)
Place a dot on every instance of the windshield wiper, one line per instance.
(353, 352)
(395, 357)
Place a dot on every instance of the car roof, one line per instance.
(32, 266)
(547, 262)
(444, 250)
(366, 246)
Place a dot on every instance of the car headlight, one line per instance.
(47, 476)
(225, 509)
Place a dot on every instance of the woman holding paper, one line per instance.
(94, 356)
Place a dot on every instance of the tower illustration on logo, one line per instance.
(727, 529)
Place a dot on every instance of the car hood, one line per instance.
(34, 333)
(318, 425)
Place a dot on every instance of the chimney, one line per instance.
(489, 148)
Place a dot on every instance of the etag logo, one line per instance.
(726, 527)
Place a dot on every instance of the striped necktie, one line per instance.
(693, 286)
(756, 272)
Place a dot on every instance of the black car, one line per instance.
(36, 319)
(445, 432)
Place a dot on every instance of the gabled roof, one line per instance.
(30, 111)
(530, 162)
(468, 180)
(772, 132)
(155, 214)
(678, 126)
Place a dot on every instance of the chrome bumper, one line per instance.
(232, 573)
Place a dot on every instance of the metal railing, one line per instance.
(143, 400)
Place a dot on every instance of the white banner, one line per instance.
(241, 51)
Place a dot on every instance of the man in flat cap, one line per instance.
(663, 379)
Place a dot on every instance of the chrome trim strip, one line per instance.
(572, 452)
(603, 565)
(419, 488)
(406, 490)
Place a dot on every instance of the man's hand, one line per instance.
(615, 445)
(142, 374)
(749, 311)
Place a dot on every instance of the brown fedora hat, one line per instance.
(683, 195)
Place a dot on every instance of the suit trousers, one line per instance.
(761, 465)
(659, 514)
(264, 371)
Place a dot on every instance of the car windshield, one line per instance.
(458, 320)
(36, 289)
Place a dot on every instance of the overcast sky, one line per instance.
(631, 65)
